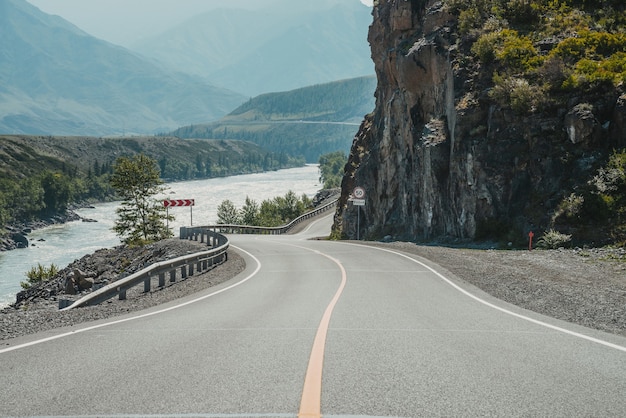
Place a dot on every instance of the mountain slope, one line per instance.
(23, 156)
(56, 79)
(281, 47)
(310, 121)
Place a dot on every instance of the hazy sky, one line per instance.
(123, 22)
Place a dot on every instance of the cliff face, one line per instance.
(438, 158)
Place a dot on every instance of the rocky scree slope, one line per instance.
(443, 156)
(37, 310)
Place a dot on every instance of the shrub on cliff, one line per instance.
(579, 47)
(515, 93)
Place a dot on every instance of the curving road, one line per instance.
(321, 328)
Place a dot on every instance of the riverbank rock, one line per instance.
(20, 240)
(16, 235)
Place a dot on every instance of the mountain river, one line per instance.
(62, 244)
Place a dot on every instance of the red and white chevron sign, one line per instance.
(179, 202)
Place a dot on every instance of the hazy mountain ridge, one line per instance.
(55, 78)
(281, 47)
(309, 121)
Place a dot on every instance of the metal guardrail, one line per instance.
(181, 267)
(188, 264)
(262, 230)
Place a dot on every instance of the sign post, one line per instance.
(358, 200)
(177, 203)
(531, 234)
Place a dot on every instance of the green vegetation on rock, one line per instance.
(536, 49)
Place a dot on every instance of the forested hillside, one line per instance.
(43, 176)
(309, 122)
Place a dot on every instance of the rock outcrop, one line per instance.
(439, 158)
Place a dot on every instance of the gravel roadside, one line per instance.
(583, 286)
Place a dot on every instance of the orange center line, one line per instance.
(311, 402)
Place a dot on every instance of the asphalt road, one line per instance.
(315, 327)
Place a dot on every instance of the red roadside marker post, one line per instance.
(530, 240)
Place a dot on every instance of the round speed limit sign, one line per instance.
(358, 193)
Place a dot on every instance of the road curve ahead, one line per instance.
(317, 328)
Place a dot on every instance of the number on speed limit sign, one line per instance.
(358, 193)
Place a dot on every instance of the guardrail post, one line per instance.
(64, 303)
(172, 276)
(161, 279)
(183, 272)
(190, 269)
(146, 285)
(122, 293)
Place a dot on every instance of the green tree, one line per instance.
(227, 213)
(141, 218)
(57, 189)
(289, 206)
(249, 213)
(269, 214)
(28, 199)
(331, 169)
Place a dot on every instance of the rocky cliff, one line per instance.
(441, 157)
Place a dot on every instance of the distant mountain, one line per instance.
(56, 79)
(307, 122)
(287, 45)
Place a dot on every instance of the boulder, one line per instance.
(20, 240)
(79, 280)
(70, 287)
(85, 283)
(580, 123)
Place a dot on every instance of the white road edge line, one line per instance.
(491, 305)
(312, 224)
(119, 321)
